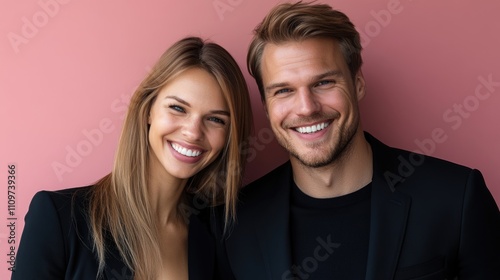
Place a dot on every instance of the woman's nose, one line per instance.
(193, 129)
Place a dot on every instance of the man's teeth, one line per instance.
(312, 128)
(186, 152)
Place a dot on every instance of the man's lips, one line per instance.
(312, 128)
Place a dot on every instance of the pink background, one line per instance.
(68, 68)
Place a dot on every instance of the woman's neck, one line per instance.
(165, 195)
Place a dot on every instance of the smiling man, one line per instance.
(340, 208)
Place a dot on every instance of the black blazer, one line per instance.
(56, 243)
(430, 219)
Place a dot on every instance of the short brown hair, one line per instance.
(300, 21)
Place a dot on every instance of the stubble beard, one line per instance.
(339, 151)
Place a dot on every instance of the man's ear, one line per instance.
(264, 104)
(359, 85)
(265, 109)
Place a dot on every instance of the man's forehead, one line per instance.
(310, 57)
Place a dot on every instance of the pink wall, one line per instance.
(68, 68)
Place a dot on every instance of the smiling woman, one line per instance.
(180, 144)
(188, 125)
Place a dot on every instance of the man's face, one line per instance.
(311, 99)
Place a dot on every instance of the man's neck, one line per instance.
(346, 175)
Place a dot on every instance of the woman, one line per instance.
(179, 153)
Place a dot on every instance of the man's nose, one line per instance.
(307, 102)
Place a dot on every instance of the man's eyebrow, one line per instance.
(332, 73)
(275, 85)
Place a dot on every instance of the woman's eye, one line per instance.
(177, 108)
(217, 120)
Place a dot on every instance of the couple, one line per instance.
(338, 209)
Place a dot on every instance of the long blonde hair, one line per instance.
(119, 206)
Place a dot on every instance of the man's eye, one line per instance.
(177, 108)
(323, 83)
(216, 120)
(283, 90)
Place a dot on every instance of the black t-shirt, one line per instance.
(330, 236)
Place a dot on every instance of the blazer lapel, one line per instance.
(263, 238)
(201, 250)
(389, 213)
(273, 230)
(115, 268)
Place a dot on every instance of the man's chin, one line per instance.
(312, 161)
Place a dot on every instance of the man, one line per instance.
(346, 206)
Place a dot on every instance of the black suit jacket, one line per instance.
(56, 243)
(430, 219)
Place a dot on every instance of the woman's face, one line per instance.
(189, 125)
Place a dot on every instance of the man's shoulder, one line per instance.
(413, 164)
(271, 182)
(405, 164)
(274, 175)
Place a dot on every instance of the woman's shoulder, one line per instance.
(61, 200)
(66, 209)
(68, 192)
(56, 230)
